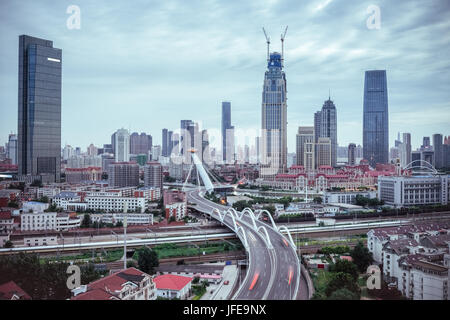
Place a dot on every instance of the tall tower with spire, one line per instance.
(328, 126)
(274, 115)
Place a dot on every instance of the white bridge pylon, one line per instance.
(236, 217)
(200, 170)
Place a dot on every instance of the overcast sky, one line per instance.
(145, 65)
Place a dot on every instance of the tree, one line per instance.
(346, 267)
(271, 209)
(343, 294)
(119, 224)
(171, 219)
(361, 256)
(13, 204)
(147, 260)
(341, 280)
(86, 222)
(8, 244)
(318, 200)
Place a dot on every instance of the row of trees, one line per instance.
(364, 201)
(42, 281)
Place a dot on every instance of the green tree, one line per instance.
(343, 294)
(346, 267)
(271, 209)
(13, 204)
(86, 222)
(119, 224)
(147, 260)
(318, 200)
(341, 280)
(361, 256)
(8, 244)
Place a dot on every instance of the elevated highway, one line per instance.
(273, 266)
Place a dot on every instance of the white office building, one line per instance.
(403, 191)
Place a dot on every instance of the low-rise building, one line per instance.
(132, 218)
(404, 191)
(348, 197)
(11, 291)
(41, 240)
(173, 286)
(6, 222)
(129, 284)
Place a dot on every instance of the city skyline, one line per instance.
(317, 59)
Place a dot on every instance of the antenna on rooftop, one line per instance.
(282, 46)
(268, 43)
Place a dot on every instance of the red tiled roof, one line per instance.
(171, 282)
(94, 294)
(7, 290)
(5, 215)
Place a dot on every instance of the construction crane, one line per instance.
(282, 46)
(268, 43)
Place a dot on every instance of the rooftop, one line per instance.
(10, 289)
(172, 282)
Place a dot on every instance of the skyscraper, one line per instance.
(317, 123)
(328, 127)
(274, 118)
(39, 112)
(140, 143)
(228, 148)
(375, 118)
(12, 148)
(122, 145)
(405, 150)
(438, 151)
(351, 154)
(165, 142)
(323, 147)
(305, 148)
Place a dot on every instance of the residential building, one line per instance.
(153, 175)
(123, 174)
(376, 118)
(78, 175)
(39, 112)
(171, 286)
(11, 291)
(175, 204)
(128, 284)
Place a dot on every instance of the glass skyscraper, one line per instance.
(274, 121)
(39, 118)
(328, 127)
(227, 133)
(376, 118)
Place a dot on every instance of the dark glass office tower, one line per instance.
(375, 119)
(39, 120)
(165, 142)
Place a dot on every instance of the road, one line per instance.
(274, 272)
